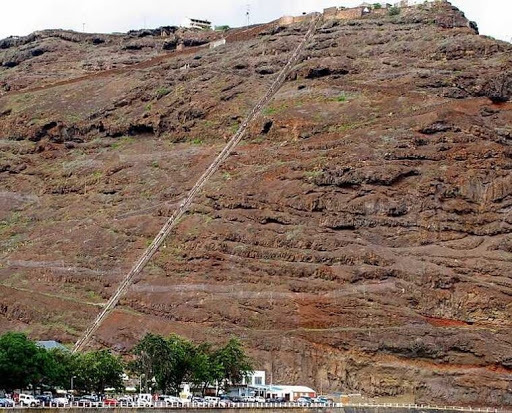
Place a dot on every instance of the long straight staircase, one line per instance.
(182, 209)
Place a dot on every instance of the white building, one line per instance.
(276, 391)
(288, 393)
(197, 24)
(255, 386)
(256, 379)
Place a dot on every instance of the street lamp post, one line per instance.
(140, 383)
(72, 377)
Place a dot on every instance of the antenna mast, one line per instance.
(248, 15)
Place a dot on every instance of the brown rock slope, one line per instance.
(359, 239)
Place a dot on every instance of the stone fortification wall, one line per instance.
(348, 14)
(353, 13)
(287, 20)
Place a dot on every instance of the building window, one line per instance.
(258, 381)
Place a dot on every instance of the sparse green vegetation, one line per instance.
(258, 139)
(209, 123)
(377, 6)
(234, 127)
(272, 110)
(312, 174)
(342, 128)
(161, 92)
(342, 98)
(155, 164)
(197, 141)
(222, 28)
(394, 11)
(94, 296)
(73, 118)
(125, 140)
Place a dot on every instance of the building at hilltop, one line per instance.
(197, 24)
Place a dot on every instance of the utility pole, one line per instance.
(83, 27)
(248, 15)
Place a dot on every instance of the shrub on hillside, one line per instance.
(394, 11)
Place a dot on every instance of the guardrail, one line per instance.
(245, 405)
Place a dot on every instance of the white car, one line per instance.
(27, 400)
(60, 402)
(173, 401)
(212, 400)
(125, 401)
(144, 400)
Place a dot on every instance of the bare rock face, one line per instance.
(499, 89)
(358, 240)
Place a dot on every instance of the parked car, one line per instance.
(260, 399)
(304, 400)
(277, 400)
(6, 402)
(212, 400)
(225, 403)
(88, 401)
(60, 402)
(198, 402)
(125, 401)
(172, 401)
(144, 400)
(320, 400)
(27, 400)
(45, 399)
(110, 402)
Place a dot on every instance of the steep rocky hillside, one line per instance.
(359, 239)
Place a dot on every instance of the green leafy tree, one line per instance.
(64, 366)
(235, 363)
(98, 370)
(206, 368)
(152, 359)
(169, 361)
(180, 364)
(377, 6)
(22, 362)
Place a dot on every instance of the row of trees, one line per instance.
(175, 360)
(164, 363)
(23, 364)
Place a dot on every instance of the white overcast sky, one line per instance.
(20, 17)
